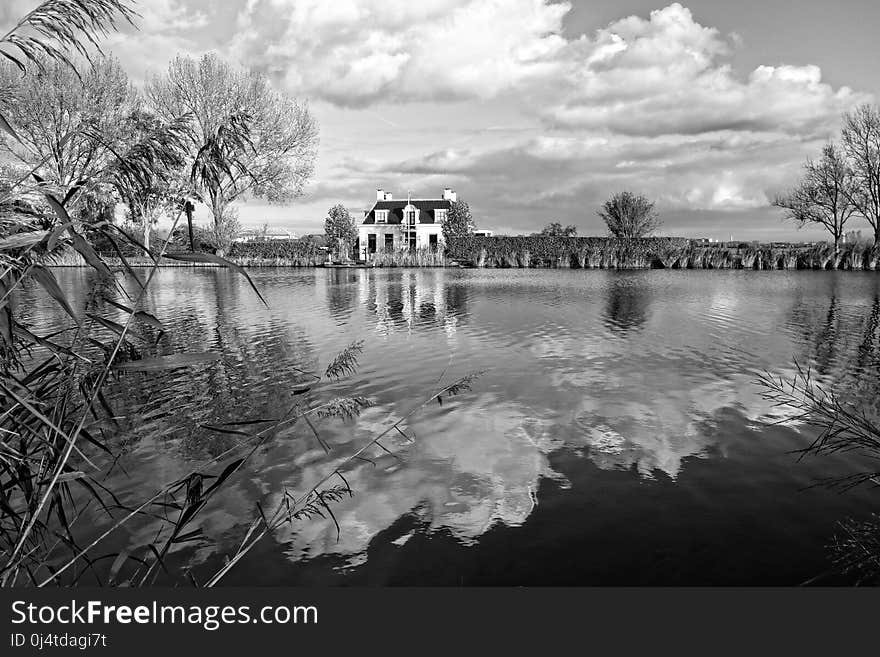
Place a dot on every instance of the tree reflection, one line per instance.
(341, 289)
(626, 303)
(841, 344)
(457, 299)
(263, 358)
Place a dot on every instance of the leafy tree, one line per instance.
(247, 139)
(861, 144)
(340, 229)
(459, 222)
(823, 195)
(629, 216)
(557, 230)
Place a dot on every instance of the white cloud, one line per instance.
(646, 102)
(657, 75)
(667, 74)
(356, 53)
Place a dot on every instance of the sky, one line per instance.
(537, 111)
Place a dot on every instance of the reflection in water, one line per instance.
(641, 382)
(342, 293)
(627, 301)
(841, 342)
(403, 299)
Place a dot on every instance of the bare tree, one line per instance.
(823, 196)
(67, 121)
(861, 144)
(629, 216)
(275, 153)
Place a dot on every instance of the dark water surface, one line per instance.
(617, 436)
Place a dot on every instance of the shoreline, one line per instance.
(246, 263)
(553, 253)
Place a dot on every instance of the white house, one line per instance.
(414, 223)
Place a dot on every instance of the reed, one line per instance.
(844, 425)
(409, 258)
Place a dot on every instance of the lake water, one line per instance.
(617, 435)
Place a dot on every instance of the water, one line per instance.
(617, 436)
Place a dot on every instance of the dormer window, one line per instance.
(381, 216)
(410, 214)
(439, 216)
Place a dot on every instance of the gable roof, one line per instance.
(426, 209)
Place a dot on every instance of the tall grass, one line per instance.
(409, 258)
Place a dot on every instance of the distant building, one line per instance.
(413, 223)
(482, 233)
(260, 234)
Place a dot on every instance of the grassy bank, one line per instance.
(656, 253)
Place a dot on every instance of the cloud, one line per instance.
(651, 103)
(667, 74)
(357, 53)
(572, 173)
(645, 76)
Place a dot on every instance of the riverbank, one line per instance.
(658, 253)
(572, 253)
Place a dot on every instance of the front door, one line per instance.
(371, 243)
(432, 242)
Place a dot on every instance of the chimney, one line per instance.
(380, 195)
(389, 196)
(449, 195)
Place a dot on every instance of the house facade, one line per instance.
(411, 223)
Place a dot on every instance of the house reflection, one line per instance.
(407, 300)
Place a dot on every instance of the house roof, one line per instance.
(426, 209)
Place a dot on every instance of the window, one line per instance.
(389, 241)
(439, 216)
(371, 243)
(381, 216)
(432, 241)
(411, 217)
